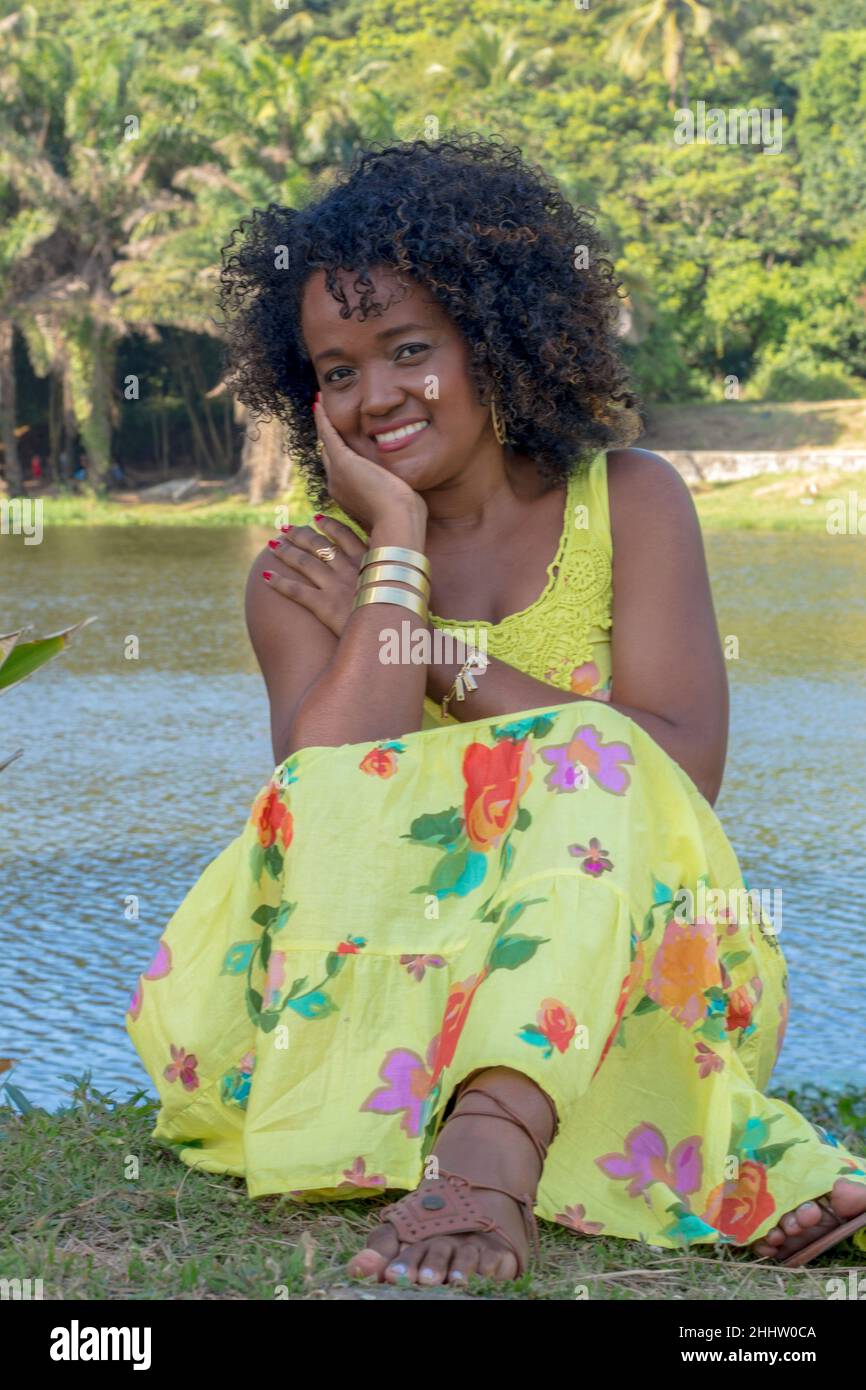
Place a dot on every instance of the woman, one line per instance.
(476, 886)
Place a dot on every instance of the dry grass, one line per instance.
(69, 1216)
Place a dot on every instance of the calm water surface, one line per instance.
(136, 774)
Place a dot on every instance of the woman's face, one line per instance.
(408, 365)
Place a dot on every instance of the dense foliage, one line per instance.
(133, 138)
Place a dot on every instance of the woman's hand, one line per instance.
(364, 490)
(325, 587)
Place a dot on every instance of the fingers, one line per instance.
(342, 536)
(313, 555)
(323, 425)
(298, 589)
(330, 440)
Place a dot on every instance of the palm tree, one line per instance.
(75, 164)
(493, 57)
(665, 28)
(271, 130)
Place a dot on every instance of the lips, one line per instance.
(389, 445)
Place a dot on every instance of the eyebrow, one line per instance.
(380, 338)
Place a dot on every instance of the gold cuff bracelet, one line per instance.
(372, 573)
(401, 554)
(381, 593)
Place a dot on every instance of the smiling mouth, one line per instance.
(396, 439)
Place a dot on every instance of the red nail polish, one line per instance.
(275, 545)
(267, 574)
(286, 528)
(318, 516)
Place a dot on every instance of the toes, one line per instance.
(790, 1224)
(808, 1215)
(437, 1261)
(464, 1264)
(381, 1247)
(406, 1264)
(848, 1198)
(764, 1251)
(496, 1263)
(807, 1220)
(366, 1263)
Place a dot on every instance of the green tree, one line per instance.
(665, 30)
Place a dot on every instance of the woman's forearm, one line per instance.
(359, 696)
(503, 690)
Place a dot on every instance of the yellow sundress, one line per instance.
(547, 891)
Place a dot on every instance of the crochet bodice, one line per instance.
(563, 636)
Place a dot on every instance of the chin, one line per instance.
(416, 472)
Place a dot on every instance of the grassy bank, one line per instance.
(744, 426)
(69, 1214)
(772, 502)
(219, 508)
(777, 502)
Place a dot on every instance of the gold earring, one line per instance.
(498, 423)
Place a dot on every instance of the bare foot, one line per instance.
(809, 1221)
(485, 1148)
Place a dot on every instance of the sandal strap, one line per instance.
(445, 1206)
(828, 1239)
(451, 1209)
(540, 1147)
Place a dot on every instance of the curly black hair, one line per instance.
(494, 241)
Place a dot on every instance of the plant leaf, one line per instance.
(22, 659)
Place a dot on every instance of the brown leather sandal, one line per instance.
(445, 1205)
(826, 1241)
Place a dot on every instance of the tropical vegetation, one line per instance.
(134, 137)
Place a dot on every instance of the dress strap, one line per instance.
(587, 518)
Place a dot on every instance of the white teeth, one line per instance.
(401, 433)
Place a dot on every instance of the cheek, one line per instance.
(457, 401)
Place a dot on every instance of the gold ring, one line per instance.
(327, 553)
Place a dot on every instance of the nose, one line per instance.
(381, 395)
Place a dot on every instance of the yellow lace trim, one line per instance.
(564, 626)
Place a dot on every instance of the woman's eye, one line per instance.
(333, 379)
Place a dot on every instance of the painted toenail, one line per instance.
(427, 1273)
(397, 1269)
(457, 1277)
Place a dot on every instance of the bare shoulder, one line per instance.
(640, 471)
(645, 487)
(282, 632)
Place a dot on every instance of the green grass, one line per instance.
(778, 501)
(71, 1216)
(770, 502)
(223, 510)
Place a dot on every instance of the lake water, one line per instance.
(136, 774)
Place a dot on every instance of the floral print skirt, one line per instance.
(551, 894)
